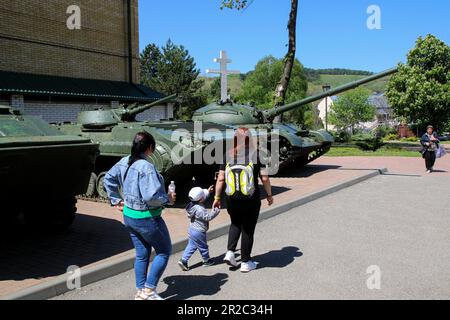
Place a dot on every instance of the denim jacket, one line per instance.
(143, 188)
(425, 140)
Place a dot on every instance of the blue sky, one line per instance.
(330, 33)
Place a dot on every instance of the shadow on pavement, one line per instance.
(185, 287)
(218, 260)
(402, 175)
(305, 172)
(278, 258)
(38, 254)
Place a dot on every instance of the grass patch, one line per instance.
(335, 80)
(382, 152)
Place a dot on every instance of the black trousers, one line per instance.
(430, 159)
(244, 216)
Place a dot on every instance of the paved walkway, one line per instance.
(98, 236)
(395, 165)
(323, 249)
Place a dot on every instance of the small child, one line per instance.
(199, 225)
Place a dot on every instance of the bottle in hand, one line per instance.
(172, 187)
(171, 193)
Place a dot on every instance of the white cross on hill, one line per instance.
(223, 60)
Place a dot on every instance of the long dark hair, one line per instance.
(242, 144)
(141, 142)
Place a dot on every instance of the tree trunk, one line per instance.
(280, 93)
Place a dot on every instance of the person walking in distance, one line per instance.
(430, 144)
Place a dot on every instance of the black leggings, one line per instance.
(430, 158)
(244, 216)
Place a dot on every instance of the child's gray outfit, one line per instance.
(198, 227)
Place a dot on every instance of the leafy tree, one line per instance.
(150, 58)
(281, 87)
(258, 86)
(351, 108)
(420, 91)
(214, 90)
(171, 69)
(236, 4)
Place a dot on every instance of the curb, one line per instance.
(108, 269)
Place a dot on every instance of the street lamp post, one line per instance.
(325, 88)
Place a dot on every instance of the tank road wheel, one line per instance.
(56, 215)
(273, 165)
(100, 187)
(92, 187)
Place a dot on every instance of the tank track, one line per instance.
(313, 155)
(318, 153)
(92, 198)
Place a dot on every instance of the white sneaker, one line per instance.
(248, 266)
(137, 296)
(230, 259)
(428, 171)
(147, 294)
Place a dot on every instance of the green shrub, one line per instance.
(391, 137)
(341, 136)
(368, 142)
(410, 139)
(384, 131)
(362, 137)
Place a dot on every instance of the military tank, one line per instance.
(114, 130)
(41, 170)
(296, 146)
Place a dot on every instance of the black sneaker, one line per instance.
(208, 263)
(183, 265)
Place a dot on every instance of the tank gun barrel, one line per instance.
(138, 109)
(270, 114)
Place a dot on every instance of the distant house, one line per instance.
(384, 113)
(323, 106)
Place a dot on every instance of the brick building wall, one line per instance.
(156, 113)
(34, 38)
(55, 112)
(58, 111)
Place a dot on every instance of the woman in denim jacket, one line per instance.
(142, 200)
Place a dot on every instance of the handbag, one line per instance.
(440, 152)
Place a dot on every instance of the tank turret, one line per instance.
(296, 145)
(100, 119)
(236, 114)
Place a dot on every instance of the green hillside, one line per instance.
(315, 86)
(235, 82)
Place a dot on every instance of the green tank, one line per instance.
(296, 146)
(114, 130)
(41, 170)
